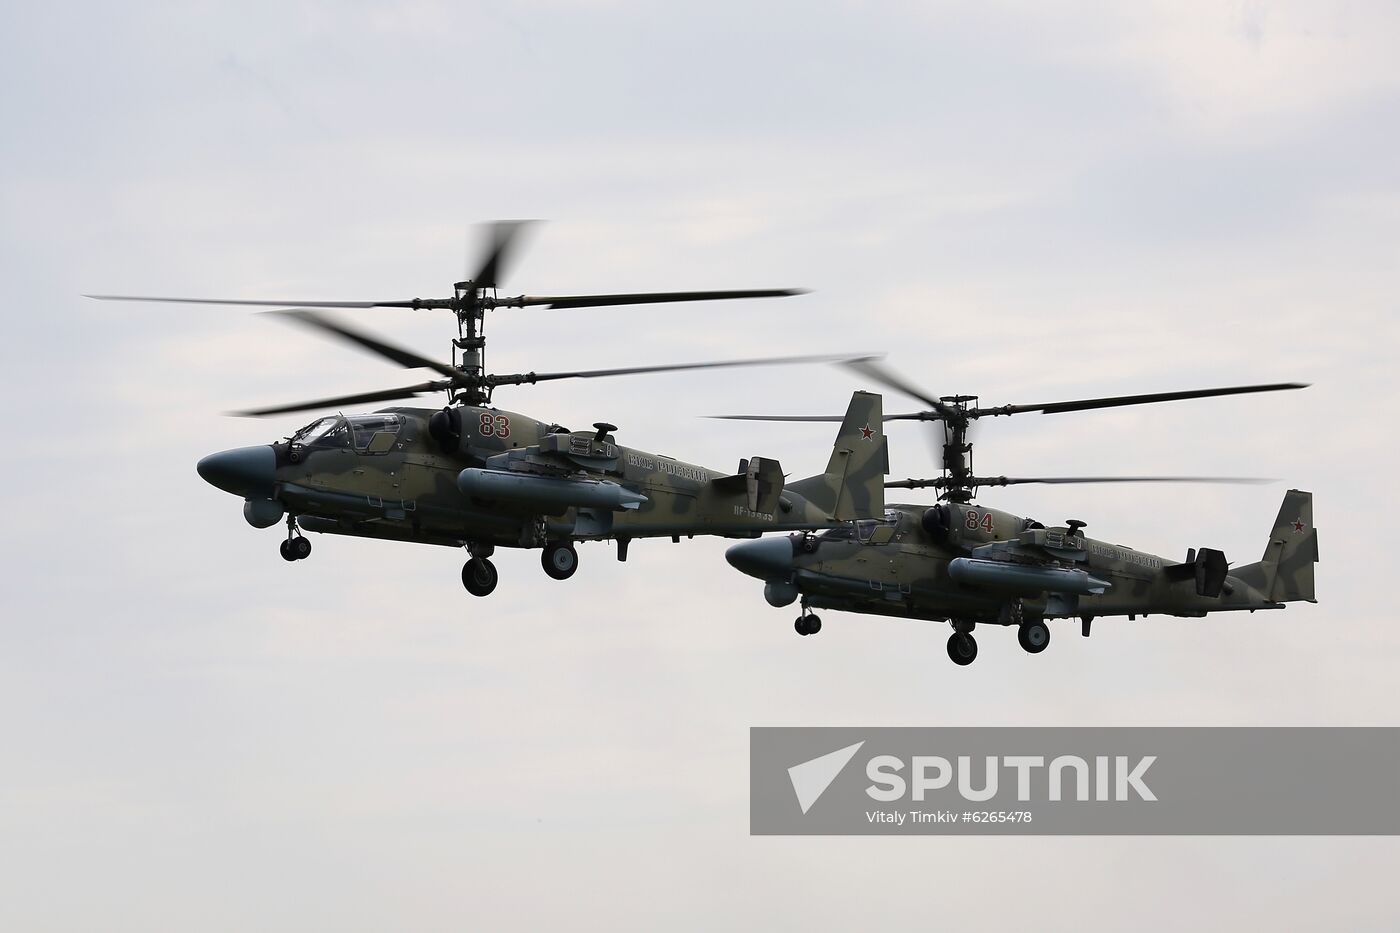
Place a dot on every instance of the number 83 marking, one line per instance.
(494, 425)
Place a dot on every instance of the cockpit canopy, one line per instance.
(863, 530)
(355, 431)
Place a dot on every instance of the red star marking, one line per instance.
(866, 434)
(1298, 527)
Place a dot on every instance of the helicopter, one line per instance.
(472, 475)
(966, 564)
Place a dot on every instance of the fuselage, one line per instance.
(969, 563)
(399, 474)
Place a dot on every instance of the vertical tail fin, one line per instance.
(853, 485)
(1292, 550)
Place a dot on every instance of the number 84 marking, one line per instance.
(976, 520)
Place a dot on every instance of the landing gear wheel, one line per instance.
(808, 625)
(559, 560)
(295, 547)
(962, 648)
(1034, 636)
(479, 576)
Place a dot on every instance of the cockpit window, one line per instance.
(332, 431)
(364, 427)
(862, 530)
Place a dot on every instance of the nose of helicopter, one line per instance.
(762, 558)
(250, 472)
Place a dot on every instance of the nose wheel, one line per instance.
(962, 648)
(295, 547)
(479, 576)
(809, 623)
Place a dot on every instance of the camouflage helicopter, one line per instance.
(966, 564)
(470, 474)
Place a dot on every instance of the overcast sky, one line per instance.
(1023, 202)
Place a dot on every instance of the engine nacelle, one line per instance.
(445, 427)
(262, 513)
(935, 522)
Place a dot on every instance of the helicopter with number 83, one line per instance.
(472, 475)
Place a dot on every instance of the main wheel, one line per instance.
(479, 576)
(285, 549)
(1034, 636)
(559, 560)
(962, 648)
(301, 548)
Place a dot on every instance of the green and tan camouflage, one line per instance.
(484, 477)
(966, 564)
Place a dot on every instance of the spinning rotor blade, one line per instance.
(888, 378)
(500, 243)
(938, 438)
(406, 358)
(491, 269)
(1066, 480)
(342, 400)
(244, 301)
(836, 419)
(676, 367)
(1052, 408)
(642, 298)
(410, 303)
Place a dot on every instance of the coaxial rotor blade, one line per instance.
(888, 378)
(383, 395)
(914, 483)
(915, 416)
(405, 358)
(501, 238)
(666, 368)
(640, 298)
(259, 303)
(938, 436)
(1066, 480)
(1051, 408)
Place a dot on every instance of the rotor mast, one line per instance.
(957, 452)
(468, 303)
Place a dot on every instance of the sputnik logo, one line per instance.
(811, 778)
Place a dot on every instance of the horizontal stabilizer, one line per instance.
(1207, 567)
(760, 479)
